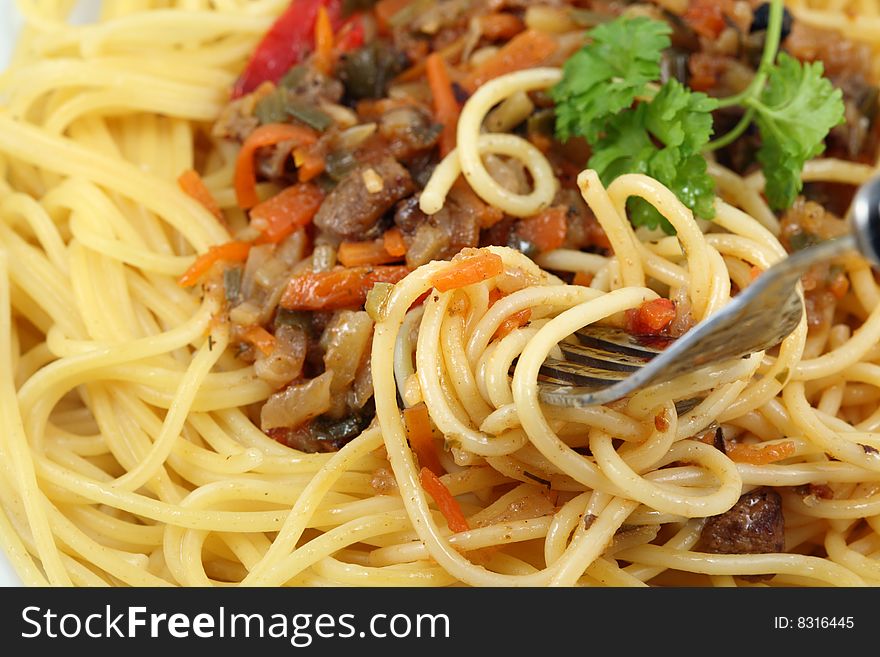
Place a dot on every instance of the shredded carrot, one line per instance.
(468, 270)
(292, 208)
(417, 70)
(760, 454)
(525, 50)
(501, 26)
(310, 163)
(446, 106)
(261, 339)
(755, 271)
(323, 42)
(193, 185)
(546, 230)
(342, 287)
(394, 244)
(384, 10)
(266, 135)
(582, 278)
(513, 322)
(356, 254)
(421, 437)
(230, 251)
(444, 500)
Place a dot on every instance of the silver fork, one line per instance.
(607, 364)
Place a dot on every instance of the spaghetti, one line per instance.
(132, 450)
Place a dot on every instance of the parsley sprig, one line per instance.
(610, 95)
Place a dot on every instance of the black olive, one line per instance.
(762, 18)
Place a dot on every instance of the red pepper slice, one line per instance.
(287, 42)
(350, 36)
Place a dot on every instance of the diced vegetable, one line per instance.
(473, 268)
(446, 106)
(229, 252)
(351, 35)
(373, 252)
(343, 287)
(525, 50)
(285, 362)
(545, 230)
(500, 26)
(310, 163)
(288, 41)
(706, 17)
(393, 242)
(345, 341)
(261, 339)
(444, 500)
(385, 9)
(651, 317)
(367, 71)
(323, 59)
(297, 404)
(292, 208)
(193, 185)
(265, 135)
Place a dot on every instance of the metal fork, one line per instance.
(607, 364)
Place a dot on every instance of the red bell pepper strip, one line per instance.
(287, 43)
(351, 35)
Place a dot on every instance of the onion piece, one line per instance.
(297, 404)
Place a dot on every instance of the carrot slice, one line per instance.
(266, 135)
(421, 437)
(193, 185)
(417, 70)
(261, 339)
(546, 230)
(446, 106)
(292, 208)
(760, 454)
(230, 251)
(501, 26)
(343, 287)
(516, 320)
(355, 254)
(468, 270)
(394, 244)
(323, 42)
(447, 504)
(525, 50)
(310, 163)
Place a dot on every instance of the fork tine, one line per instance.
(614, 340)
(556, 372)
(608, 360)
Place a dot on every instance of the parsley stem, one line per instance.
(771, 46)
(731, 136)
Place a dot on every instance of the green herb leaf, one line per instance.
(794, 113)
(663, 139)
(608, 74)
